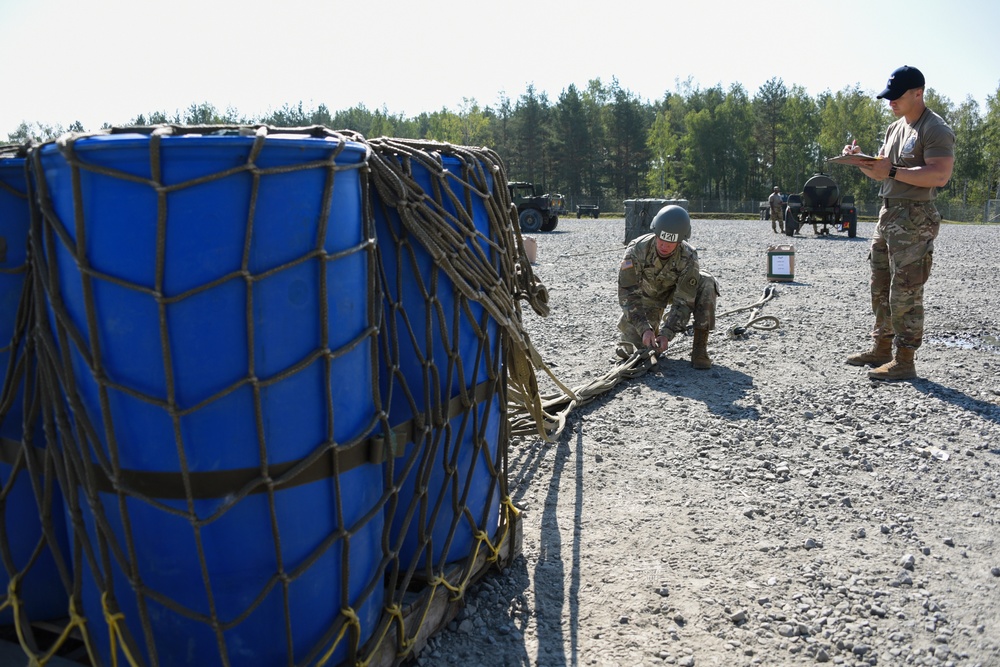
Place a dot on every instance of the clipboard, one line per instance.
(858, 159)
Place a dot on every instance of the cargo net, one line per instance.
(293, 452)
(33, 577)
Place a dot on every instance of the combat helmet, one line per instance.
(672, 224)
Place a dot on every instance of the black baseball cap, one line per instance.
(901, 80)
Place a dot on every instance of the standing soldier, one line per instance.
(660, 269)
(777, 215)
(918, 157)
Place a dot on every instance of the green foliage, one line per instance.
(849, 116)
(34, 133)
(736, 117)
(768, 108)
(573, 147)
(628, 124)
(663, 144)
(531, 126)
(604, 143)
(970, 176)
(991, 145)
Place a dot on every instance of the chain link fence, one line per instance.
(992, 211)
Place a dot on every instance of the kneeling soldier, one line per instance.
(660, 269)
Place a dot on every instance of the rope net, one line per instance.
(260, 392)
(35, 576)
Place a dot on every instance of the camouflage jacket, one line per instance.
(648, 282)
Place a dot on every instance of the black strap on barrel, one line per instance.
(10, 450)
(324, 465)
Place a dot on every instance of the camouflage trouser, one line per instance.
(703, 312)
(776, 221)
(901, 254)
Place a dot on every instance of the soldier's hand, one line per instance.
(649, 338)
(661, 344)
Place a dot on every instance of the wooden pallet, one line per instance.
(12, 655)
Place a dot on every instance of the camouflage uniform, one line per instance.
(903, 244)
(648, 283)
(776, 214)
(901, 254)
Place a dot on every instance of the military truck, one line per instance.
(557, 203)
(820, 203)
(535, 211)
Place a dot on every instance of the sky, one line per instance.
(107, 61)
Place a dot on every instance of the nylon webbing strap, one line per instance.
(220, 483)
(9, 450)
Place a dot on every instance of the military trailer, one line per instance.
(820, 204)
(557, 203)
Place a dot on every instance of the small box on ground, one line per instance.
(781, 263)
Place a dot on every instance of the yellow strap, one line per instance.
(352, 621)
(115, 633)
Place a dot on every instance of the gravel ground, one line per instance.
(779, 509)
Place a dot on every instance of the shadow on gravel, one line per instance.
(983, 409)
(829, 237)
(520, 614)
(556, 596)
(794, 283)
(721, 389)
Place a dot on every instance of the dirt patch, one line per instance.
(778, 509)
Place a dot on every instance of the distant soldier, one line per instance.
(777, 214)
(919, 155)
(659, 270)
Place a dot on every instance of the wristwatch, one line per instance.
(892, 172)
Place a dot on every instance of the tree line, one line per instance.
(606, 143)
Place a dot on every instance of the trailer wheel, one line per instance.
(791, 224)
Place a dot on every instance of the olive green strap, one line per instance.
(325, 464)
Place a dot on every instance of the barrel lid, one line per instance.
(131, 140)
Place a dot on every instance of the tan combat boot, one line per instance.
(881, 353)
(699, 350)
(900, 368)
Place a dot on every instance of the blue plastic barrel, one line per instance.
(42, 591)
(260, 337)
(448, 481)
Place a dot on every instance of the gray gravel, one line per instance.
(779, 509)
